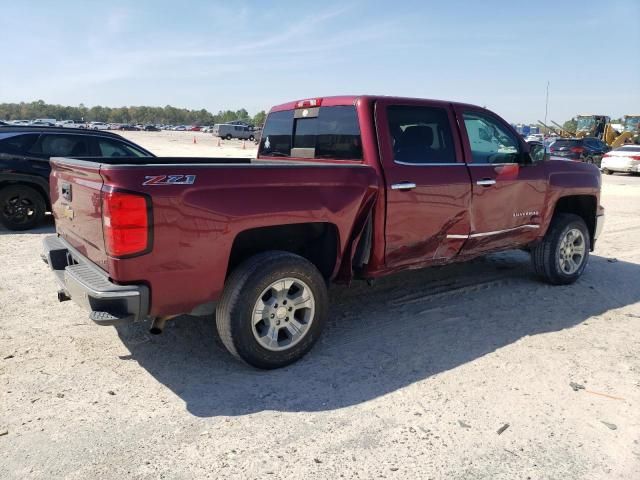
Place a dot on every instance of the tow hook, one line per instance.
(63, 296)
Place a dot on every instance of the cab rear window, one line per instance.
(321, 133)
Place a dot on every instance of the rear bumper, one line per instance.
(87, 285)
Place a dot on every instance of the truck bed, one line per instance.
(195, 225)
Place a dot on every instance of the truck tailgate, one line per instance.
(76, 206)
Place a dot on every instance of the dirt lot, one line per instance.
(460, 372)
(181, 144)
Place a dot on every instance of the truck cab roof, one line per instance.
(333, 101)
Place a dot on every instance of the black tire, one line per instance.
(606, 171)
(228, 136)
(21, 207)
(546, 255)
(243, 289)
(252, 138)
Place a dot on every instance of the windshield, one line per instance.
(585, 123)
(631, 124)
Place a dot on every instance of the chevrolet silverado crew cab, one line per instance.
(342, 188)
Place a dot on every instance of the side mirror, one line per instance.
(536, 152)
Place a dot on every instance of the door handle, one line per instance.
(486, 182)
(403, 186)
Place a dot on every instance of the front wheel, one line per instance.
(561, 257)
(228, 136)
(21, 207)
(252, 138)
(272, 310)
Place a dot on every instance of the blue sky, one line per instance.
(253, 54)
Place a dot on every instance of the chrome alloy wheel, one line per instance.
(571, 253)
(283, 314)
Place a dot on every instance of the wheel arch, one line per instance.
(585, 206)
(37, 183)
(318, 242)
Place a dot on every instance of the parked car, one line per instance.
(536, 137)
(126, 127)
(342, 188)
(587, 149)
(98, 126)
(194, 128)
(71, 124)
(25, 168)
(51, 122)
(20, 122)
(151, 128)
(179, 128)
(622, 159)
(228, 131)
(4, 124)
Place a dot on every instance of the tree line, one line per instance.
(167, 115)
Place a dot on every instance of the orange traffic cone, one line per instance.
(218, 141)
(244, 144)
(194, 140)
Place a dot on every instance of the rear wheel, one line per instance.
(228, 136)
(272, 310)
(21, 207)
(606, 171)
(563, 254)
(252, 138)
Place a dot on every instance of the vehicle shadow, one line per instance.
(404, 329)
(47, 226)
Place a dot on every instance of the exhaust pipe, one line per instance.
(157, 326)
(63, 296)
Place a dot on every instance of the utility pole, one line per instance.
(546, 105)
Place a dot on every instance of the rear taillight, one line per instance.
(126, 223)
(635, 157)
(577, 149)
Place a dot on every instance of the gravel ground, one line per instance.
(468, 371)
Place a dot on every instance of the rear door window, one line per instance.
(62, 146)
(17, 144)
(421, 135)
(322, 132)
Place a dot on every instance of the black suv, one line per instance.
(24, 166)
(587, 149)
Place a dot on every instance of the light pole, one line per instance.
(546, 105)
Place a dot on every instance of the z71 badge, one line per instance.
(169, 180)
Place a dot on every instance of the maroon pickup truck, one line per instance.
(342, 188)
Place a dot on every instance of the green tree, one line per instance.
(259, 118)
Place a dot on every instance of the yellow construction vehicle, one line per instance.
(592, 126)
(630, 132)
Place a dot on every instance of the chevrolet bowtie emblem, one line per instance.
(67, 212)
